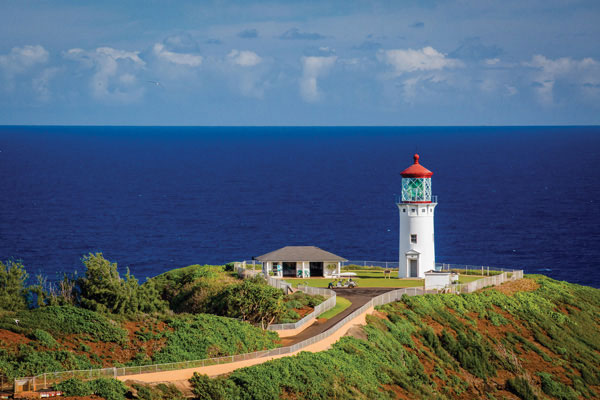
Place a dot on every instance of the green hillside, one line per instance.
(533, 338)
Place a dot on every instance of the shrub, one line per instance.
(109, 389)
(207, 389)
(191, 289)
(521, 387)
(74, 387)
(44, 338)
(471, 352)
(195, 337)
(555, 388)
(293, 304)
(256, 303)
(60, 320)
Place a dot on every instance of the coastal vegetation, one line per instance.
(103, 319)
(531, 339)
(534, 338)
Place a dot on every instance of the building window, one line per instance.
(413, 210)
(404, 210)
(413, 239)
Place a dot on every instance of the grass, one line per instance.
(341, 303)
(469, 278)
(372, 278)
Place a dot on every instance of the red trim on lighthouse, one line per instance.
(416, 170)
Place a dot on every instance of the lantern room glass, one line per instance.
(416, 189)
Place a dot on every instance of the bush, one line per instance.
(556, 389)
(293, 304)
(44, 338)
(521, 387)
(250, 301)
(158, 392)
(60, 320)
(109, 389)
(74, 387)
(207, 389)
(191, 289)
(194, 337)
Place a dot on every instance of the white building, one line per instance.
(301, 262)
(439, 279)
(416, 207)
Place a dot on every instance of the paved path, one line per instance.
(357, 296)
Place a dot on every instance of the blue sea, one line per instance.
(157, 198)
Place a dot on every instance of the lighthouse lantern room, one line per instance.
(416, 207)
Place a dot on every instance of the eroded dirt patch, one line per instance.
(512, 287)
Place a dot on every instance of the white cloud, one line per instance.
(244, 58)
(418, 70)
(114, 76)
(313, 68)
(40, 84)
(187, 59)
(584, 74)
(19, 59)
(409, 60)
(491, 61)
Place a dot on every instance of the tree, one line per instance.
(257, 303)
(63, 292)
(13, 292)
(103, 289)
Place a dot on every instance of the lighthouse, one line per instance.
(416, 207)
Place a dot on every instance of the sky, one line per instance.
(462, 62)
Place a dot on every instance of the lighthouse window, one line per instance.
(413, 239)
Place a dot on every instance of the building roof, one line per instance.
(300, 253)
(416, 170)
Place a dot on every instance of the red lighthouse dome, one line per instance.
(416, 170)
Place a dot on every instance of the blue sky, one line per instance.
(464, 62)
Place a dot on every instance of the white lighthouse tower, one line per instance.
(417, 249)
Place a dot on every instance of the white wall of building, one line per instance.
(304, 266)
(438, 280)
(416, 219)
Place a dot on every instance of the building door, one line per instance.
(289, 269)
(316, 268)
(414, 268)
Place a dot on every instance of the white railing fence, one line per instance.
(371, 264)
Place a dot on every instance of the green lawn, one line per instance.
(469, 278)
(372, 279)
(341, 304)
(363, 278)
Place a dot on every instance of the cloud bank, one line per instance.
(313, 68)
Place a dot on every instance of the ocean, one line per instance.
(157, 198)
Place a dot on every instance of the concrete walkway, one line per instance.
(357, 296)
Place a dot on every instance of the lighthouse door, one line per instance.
(414, 268)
